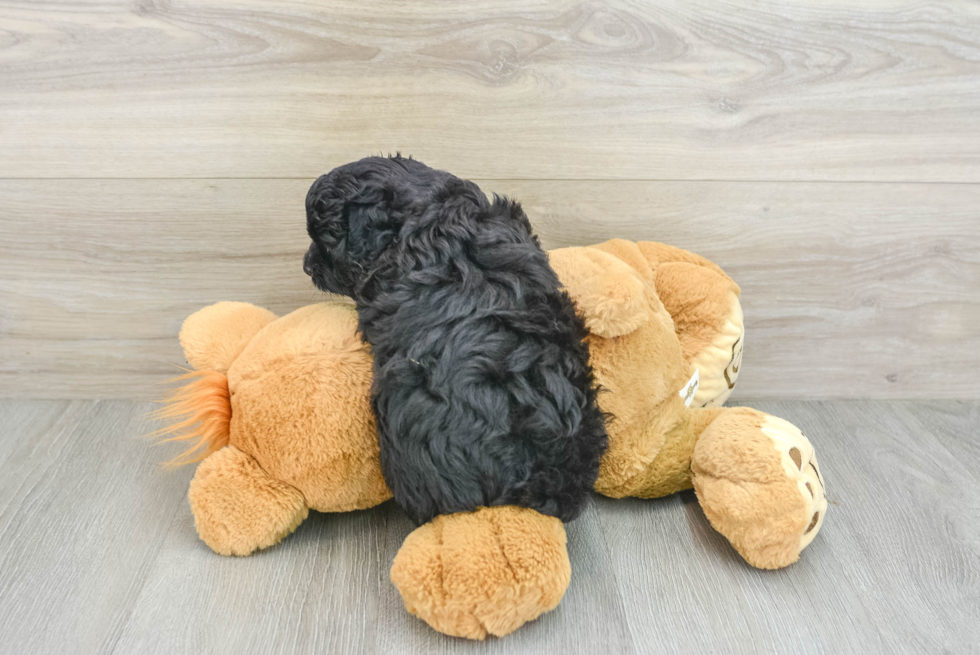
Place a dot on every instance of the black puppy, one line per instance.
(483, 394)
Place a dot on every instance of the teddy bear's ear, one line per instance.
(214, 336)
(608, 294)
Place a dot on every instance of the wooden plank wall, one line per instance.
(154, 157)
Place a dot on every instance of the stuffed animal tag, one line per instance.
(691, 388)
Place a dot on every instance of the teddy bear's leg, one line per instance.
(670, 470)
(238, 508)
(484, 572)
(214, 336)
(759, 484)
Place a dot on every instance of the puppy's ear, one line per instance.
(325, 210)
(351, 214)
(370, 229)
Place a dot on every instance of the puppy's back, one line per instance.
(483, 391)
(483, 394)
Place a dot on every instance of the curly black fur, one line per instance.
(483, 393)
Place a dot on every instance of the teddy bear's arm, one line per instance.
(214, 336)
(609, 295)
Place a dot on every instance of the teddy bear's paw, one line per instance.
(759, 483)
(238, 508)
(484, 572)
(800, 465)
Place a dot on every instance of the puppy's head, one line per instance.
(354, 213)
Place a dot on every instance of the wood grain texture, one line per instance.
(84, 508)
(896, 567)
(672, 89)
(949, 422)
(849, 290)
(317, 592)
(98, 554)
(892, 476)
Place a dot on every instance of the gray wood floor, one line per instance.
(98, 554)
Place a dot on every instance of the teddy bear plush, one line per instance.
(279, 410)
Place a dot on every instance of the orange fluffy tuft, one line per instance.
(198, 411)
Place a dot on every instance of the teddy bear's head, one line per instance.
(298, 391)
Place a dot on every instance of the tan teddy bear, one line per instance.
(280, 409)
